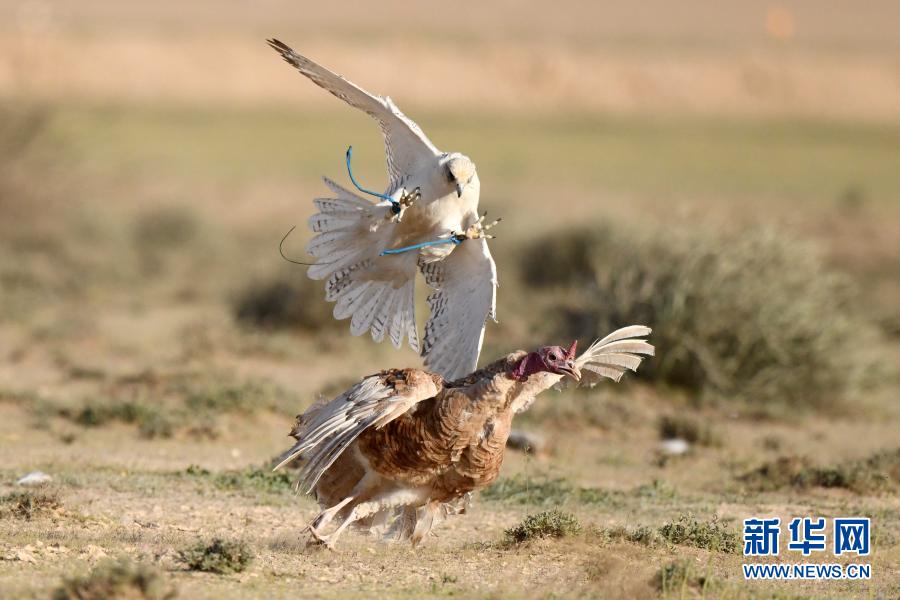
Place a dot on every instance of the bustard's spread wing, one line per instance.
(326, 430)
(611, 357)
(464, 296)
(405, 143)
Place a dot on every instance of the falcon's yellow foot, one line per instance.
(406, 200)
(478, 229)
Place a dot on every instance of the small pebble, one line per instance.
(674, 446)
(35, 478)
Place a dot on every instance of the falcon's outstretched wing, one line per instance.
(404, 141)
(610, 357)
(326, 430)
(464, 296)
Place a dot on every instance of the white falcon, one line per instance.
(368, 251)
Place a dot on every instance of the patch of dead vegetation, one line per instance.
(31, 504)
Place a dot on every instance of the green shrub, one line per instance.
(551, 523)
(709, 535)
(117, 579)
(219, 556)
(753, 316)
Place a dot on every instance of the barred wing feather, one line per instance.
(329, 429)
(405, 143)
(464, 296)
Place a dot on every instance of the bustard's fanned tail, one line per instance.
(612, 356)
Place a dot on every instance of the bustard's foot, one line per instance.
(478, 230)
(406, 200)
(317, 539)
(321, 521)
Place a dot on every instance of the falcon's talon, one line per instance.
(478, 230)
(398, 207)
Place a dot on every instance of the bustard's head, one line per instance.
(459, 171)
(550, 359)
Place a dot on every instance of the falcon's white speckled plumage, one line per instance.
(377, 291)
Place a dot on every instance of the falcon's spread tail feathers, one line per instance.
(376, 292)
(611, 357)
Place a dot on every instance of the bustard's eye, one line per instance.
(553, 356)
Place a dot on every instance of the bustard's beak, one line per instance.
(570, 368)
(459, 189)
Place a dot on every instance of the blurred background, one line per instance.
(725, 172)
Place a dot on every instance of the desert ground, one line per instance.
(154, 346)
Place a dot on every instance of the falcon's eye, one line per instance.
(450, 177)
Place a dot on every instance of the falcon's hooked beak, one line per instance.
(459, 189)
(570, 368)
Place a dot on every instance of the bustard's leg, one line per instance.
(324, 518)
(360, 511)
(364, 508)
(424, 522)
